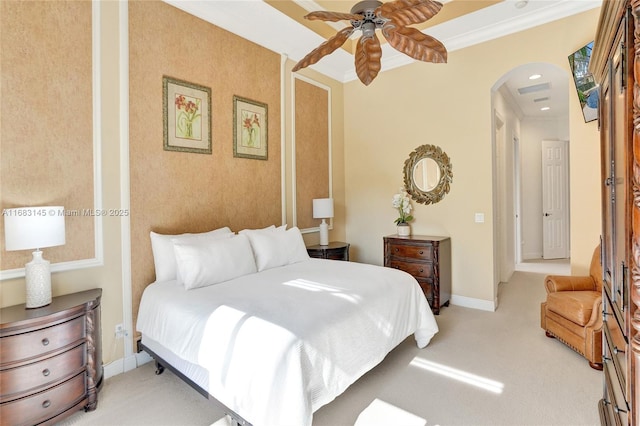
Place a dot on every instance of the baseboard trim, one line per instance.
(469, 302)
(143, 358)
(123, 365)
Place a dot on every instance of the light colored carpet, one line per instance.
(482, 368)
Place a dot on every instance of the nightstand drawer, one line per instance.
(44, 405)
(28, 378)
(50, 359)
(411, 251)
(418, 270)
(21, 347)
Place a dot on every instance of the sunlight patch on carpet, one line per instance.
(381, 413)
(462, 376)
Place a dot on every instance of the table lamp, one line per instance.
(35, 228)
(323, 209)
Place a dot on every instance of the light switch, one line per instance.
(479, 217)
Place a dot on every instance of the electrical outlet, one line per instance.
(120, 332)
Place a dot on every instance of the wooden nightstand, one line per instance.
(50, 359)
(428, 259)
(336, 250)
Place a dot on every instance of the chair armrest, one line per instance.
(596, 314)
(554, 283)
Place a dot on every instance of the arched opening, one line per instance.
(526, 112)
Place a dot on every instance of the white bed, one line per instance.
(275, 345)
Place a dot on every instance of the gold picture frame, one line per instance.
(187, 116)
(250, 129)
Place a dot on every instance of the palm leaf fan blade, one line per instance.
(324, 49)
(416, 44)
(367, 59)
(407, 12)
(332, 16)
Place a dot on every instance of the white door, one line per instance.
(517, 189)
(555, 199)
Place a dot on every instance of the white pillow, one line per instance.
(273, 249)
(164, 257)
(271, 228)
(204, 262)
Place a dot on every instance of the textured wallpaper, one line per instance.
(46, 125)
(312, 149)
(175, 192)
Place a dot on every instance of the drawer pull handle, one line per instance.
(617, 351)
(46, 404)
(421, 252)
(397, 249)
(421, 270)
(46, 372)
(45, 341)
(618, 410)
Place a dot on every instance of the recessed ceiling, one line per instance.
(278, 25)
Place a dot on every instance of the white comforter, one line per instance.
(281, 343)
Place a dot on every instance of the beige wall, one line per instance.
(449, 105)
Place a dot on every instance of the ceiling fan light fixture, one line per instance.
(368, 29)
(393, 19)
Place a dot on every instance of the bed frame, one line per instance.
(161, 364)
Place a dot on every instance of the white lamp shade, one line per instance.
(322, 208)
(33, 227)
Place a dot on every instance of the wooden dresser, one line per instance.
(50, 359)
(613, 63)
(428, 259)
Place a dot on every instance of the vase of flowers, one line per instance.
(402, 203)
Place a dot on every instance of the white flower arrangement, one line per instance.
(402, 203)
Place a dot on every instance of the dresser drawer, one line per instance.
(411, 251)
(21, 347)
(28, 378)
(427, 289)
(616, 404)
(418, 270)
(44, 405)
(615, 344)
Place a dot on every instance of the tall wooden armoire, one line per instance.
(617, 71)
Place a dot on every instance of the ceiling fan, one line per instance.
(392, 19)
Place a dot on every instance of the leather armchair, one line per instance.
(572, 312)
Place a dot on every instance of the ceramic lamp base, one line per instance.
(324, 233)
(38, 278)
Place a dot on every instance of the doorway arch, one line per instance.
(519, 126)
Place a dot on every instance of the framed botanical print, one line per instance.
(249, 128)
(187, 116)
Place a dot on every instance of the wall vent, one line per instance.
(535, 88)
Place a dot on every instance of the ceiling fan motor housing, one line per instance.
(370, 22)
(362, 7)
